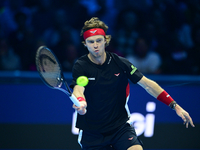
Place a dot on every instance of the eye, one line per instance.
(90, 41)
(99, 40)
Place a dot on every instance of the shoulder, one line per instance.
(117, 57)
(122, 62)
(80, 67)
(82, 60)
(80, 64)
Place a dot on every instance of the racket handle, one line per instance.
(75, 101)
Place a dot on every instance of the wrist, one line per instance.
(80, 99)
(165, 98)
(173, 105)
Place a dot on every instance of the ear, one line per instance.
(105, 41)
(84, 43)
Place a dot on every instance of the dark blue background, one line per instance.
(36, 103)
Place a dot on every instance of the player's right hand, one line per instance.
(82, 109)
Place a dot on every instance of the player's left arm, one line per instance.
(159, 93)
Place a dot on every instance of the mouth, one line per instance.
(96, 51)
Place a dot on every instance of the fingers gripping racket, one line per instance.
(51, 73)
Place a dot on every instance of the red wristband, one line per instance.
(165, 98)
(80, 99)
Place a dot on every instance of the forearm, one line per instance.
(156, 91)
(151, 87)
(159, 93)
(78, 91)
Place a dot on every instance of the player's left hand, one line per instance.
(184, 115)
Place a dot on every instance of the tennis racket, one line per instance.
(51, 73)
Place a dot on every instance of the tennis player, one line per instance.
(106, 125)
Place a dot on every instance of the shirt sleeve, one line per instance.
(132, 72)
(77, 71)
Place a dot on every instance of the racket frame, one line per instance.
(62, 79)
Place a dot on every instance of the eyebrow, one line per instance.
(95, 39)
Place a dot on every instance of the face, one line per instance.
(96, 45)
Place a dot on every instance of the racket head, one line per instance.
(49, 67)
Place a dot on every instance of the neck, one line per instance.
(98, 60)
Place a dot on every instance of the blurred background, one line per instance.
(160, 37)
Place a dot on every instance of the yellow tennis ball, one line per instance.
(82, 81)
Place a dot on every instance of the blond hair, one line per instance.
(94, 22)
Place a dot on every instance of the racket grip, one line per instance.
(75, 101)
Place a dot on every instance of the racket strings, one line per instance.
(48, 67)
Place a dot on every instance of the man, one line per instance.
(105, 124)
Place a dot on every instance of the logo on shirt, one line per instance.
(117, 74)
(91, 78)
(130, 138)
(109, 60)
(93, 31)
(133, 69)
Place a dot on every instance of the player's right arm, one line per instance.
(78, 92)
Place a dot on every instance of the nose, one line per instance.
(95, 45)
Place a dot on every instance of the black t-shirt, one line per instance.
(106, 93)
